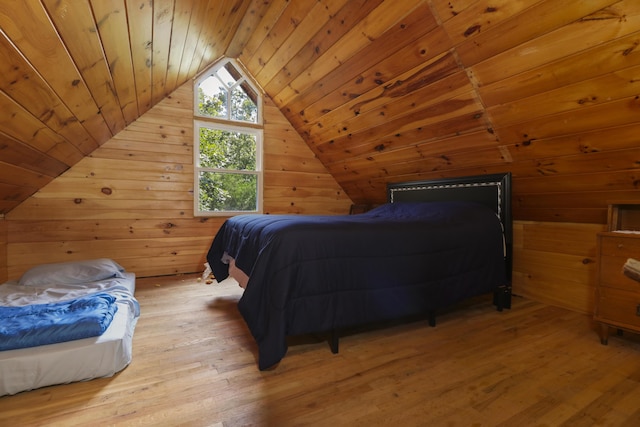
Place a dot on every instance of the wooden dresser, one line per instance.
(617, 302)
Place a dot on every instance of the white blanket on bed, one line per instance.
(13, 294)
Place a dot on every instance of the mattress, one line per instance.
(102, 356)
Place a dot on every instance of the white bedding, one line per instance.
(29, 368)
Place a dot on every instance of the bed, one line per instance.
(434, 244)
(45, 295)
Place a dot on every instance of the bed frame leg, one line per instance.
(502, 297)
(333, 341)
(431, 315)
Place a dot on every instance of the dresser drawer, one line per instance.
(611, 275)
(618, 308)
(620, 244)
(614, 252)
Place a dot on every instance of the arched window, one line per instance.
(228, 142)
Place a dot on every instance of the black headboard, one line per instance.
(493, 191)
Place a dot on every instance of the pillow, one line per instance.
(72, 273)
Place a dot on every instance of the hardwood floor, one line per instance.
(194, 364)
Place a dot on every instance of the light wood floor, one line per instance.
(195, 364)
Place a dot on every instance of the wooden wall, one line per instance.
(3, 250)
(132, 198)
(555, 263)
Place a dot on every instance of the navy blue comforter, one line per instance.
(317, 273)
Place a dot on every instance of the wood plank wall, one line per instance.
(555, 263)
(4, 275)
(132, 199)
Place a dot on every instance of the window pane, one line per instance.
(243, 106)
(228, 192)
(222, 149)
(228, 75)
(212, 98)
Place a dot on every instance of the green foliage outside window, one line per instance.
(228, 162)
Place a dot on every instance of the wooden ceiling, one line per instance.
(382, 91)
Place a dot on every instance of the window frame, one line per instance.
(227, 124)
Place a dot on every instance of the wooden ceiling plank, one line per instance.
(140, 19)
(623, 19)
(420, 139)
(334, 28)
(414, 125)
(22, 177)
(440, 76)
(196, 30)
(77, 28)
(456, 145)
(28, 27)
(601, 59)
(429, 164)
(603, 89)
(592, 117)
(285, 25)
(232, 17)
(26, 87)
(27, 157)
(286, 47)
(476, 143)
(450, 96)
(615, 138)
(179, 50)
(359, 37)
(162, 24)
(208, 45)
(451, 8)
(540, 19)
(402, 48)
(254, 14)
(260, 31)
(111, 16)
(481, 16)
(19, 124)
(13, 194)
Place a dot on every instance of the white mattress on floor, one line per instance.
(30, 368)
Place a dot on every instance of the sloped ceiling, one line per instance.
(382, 91)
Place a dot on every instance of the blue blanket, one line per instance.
(41, 324)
